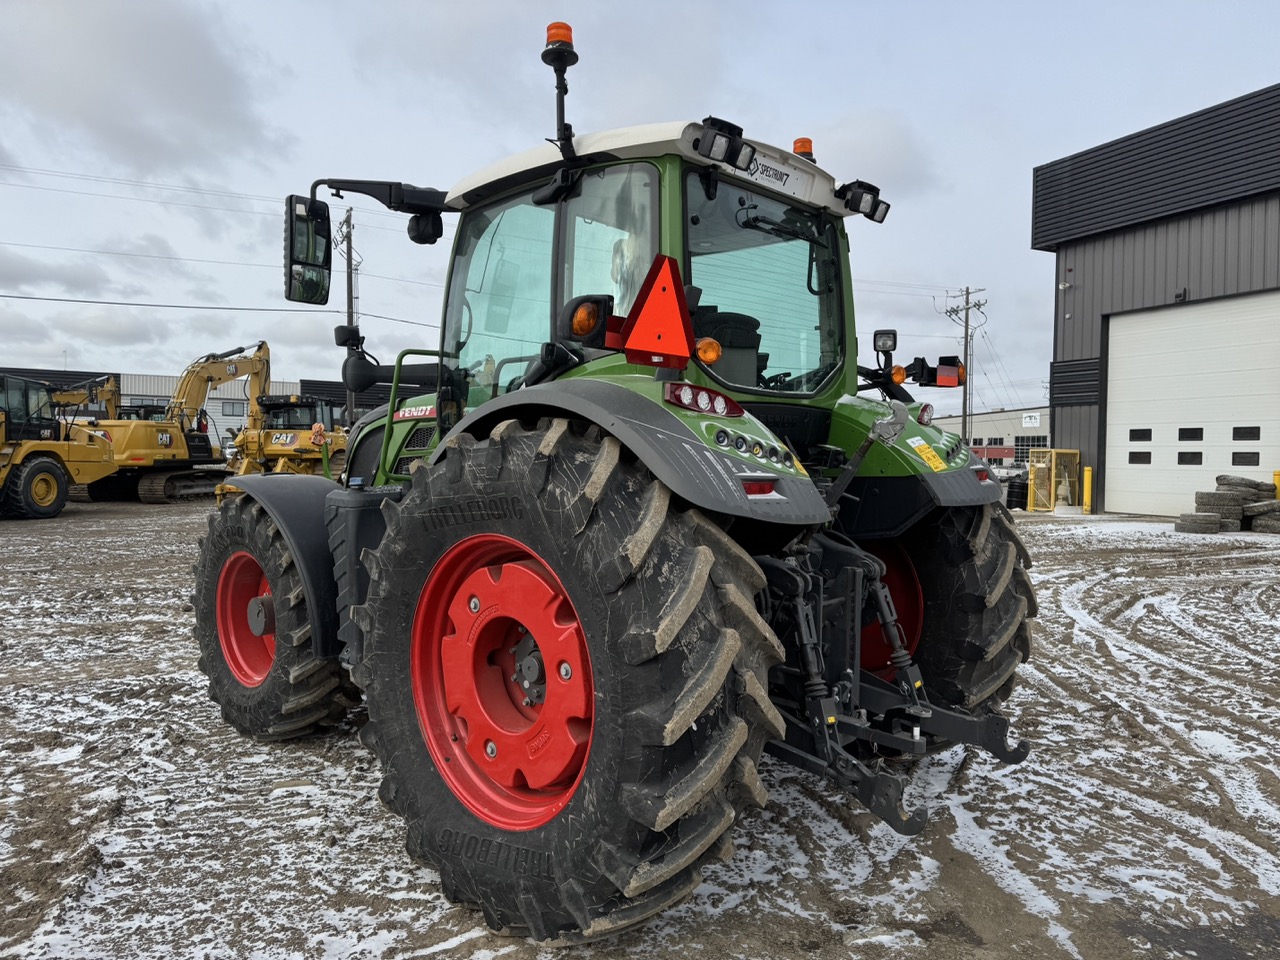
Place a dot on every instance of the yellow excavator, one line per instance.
(176, 457)
(289, 434)
(43, 451)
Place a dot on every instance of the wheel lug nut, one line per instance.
(515, 678)
(527, 702)
(474, 604)
(490, 749)
(566, 671)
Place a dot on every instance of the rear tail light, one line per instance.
(925, 416)
(758, 488)
(701, 400)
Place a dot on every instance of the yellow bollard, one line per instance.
(1088, 490)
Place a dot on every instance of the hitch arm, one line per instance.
(877, 790)
(991, 732)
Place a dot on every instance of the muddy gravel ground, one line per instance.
(1146, 822)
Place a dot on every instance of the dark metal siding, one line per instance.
(1221, 252)
(1222, 154)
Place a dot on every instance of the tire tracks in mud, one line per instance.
(1143, 823)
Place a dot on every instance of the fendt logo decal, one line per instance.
(284, 439)
(165, 439)
(414, 413)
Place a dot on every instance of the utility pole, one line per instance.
(348, 229)
(954, 313)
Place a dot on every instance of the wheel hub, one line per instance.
(44, 489)
(509, 736)
(245, 619)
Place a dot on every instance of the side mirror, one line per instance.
(308, 250)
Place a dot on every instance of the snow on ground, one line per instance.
(1146, 821)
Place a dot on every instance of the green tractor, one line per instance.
(639, 519)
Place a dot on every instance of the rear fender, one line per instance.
(295, 503)
(707, 478)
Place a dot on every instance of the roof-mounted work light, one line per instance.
(864, 198)
(723, 141)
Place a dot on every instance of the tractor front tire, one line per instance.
(565, 675)
(37, 490)
(253, 629)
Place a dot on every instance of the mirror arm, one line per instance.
(401, 197)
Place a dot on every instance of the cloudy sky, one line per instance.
(146, 147)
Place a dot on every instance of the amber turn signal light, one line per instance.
(960, 372)
(709, 350)
(585, 319)
(898, 374)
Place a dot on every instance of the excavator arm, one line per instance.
(103, 390)
(207, 372)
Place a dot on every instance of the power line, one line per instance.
(202, 306)
(154, 185)
(224, 263)
(168, 203)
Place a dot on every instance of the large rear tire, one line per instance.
(977, 603)
(565, 676)
(253, 629)
(37, 490)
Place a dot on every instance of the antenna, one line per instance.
(560, 56)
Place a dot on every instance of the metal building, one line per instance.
(1166, 339)
(1003, 437)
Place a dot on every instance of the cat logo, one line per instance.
(284, 439)
(231, 369)
(165, 439)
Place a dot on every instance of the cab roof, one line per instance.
(772, 167)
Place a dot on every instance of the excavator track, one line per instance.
(179, 486)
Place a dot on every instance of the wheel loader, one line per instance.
(637, 519)
(43, 451)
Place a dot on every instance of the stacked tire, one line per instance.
(1227, 504)
(1259, 508)
(1197, 523)
(1237, 503)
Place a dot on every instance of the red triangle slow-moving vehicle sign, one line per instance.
(658, 331)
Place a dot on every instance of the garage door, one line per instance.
(1192, 392)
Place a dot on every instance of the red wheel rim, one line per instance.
(248, 655)
(904, 587)
(502, 681)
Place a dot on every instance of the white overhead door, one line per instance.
(1192, 392)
